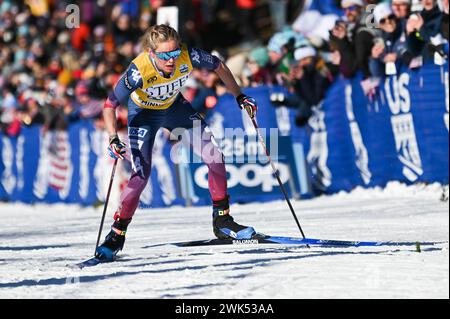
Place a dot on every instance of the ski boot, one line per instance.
(224, 226)
(114, 241)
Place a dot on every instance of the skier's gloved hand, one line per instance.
(116, 148)
(247, 103)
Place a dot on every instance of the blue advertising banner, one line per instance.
(73, 167)
(250, 175)
(400, 134)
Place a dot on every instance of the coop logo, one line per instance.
(248, 176)
(137, 132)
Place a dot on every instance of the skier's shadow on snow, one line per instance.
(236, 265)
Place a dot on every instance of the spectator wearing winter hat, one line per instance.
(257, 71)
(389, 52)
(281, 49)
(353, 39)
(283, 43)
(353, 9)
(423, 30)
(310, 81)
(85, 105)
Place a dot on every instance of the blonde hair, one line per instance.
(157, 34)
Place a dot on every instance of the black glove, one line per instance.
(247, 103)
(116, 148)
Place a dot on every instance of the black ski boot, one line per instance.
(224, 226)
(114, 241)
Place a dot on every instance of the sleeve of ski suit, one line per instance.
(203, 60)
(127, 84)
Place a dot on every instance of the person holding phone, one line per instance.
(353, 39)
(424, 28)
(389, 50)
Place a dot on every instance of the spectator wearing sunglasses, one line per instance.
(353, 39)
(389, 52)
(151, 90)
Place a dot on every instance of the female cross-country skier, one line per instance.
(151, 89)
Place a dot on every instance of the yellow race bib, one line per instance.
(158, 92)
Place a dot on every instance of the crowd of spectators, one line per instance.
(371, 39)
(51, 74)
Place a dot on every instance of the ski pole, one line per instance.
(106, 204)
(278, 177)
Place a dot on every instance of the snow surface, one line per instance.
(38, 242)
